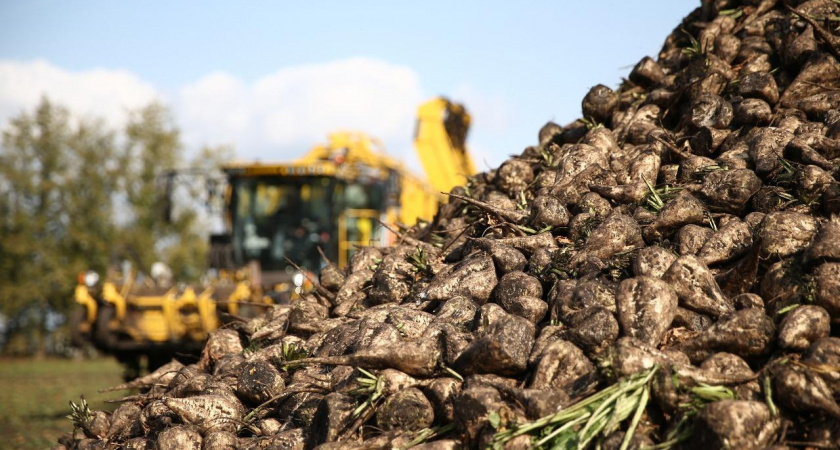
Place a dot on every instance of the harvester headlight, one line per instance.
(91, 278)
(298, 279)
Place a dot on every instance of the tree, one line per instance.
(152, 147)
(33, 168)
(91, 228)
(50, 226)
(72, 200)
(163, 224)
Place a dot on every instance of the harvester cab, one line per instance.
(333, 199)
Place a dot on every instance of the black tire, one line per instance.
(103, 337)
(131, 364)
(157, 359)
(77, 338)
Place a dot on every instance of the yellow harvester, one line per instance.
(332, 198)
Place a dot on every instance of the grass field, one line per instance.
(34, 396)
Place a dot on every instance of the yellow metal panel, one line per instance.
(110, 295)
(207, 310)
(242, 292)
(149, 325)
(417, 201)
(349, 147)
(259, 169)
(84, 298)
(148, 301)
(176, 327)
(441, 150)
(188, 314)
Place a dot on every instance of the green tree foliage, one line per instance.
(76, 196)
(165, 221)
(38, 181)
(157, 229)
(91, 230)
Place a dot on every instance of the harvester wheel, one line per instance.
(103, 336)
(157, 359)
(130, 362)
(77, 337)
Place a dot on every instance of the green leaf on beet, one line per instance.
(768, 395)
(712, 393)
(495, 420)
(567, 440)
(787, 309)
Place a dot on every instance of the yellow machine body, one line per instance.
(329, 180)
(130, 315)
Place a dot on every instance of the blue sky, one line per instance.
(271, 78)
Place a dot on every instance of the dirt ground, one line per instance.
(35, 393)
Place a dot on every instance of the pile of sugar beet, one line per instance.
(662, 273)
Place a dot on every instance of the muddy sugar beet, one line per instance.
(664, 270)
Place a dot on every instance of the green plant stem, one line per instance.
(600, 411)
(634, 422)
(429, 433)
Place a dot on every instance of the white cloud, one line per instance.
(107, 94)
(281, 115)
(278, 116)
